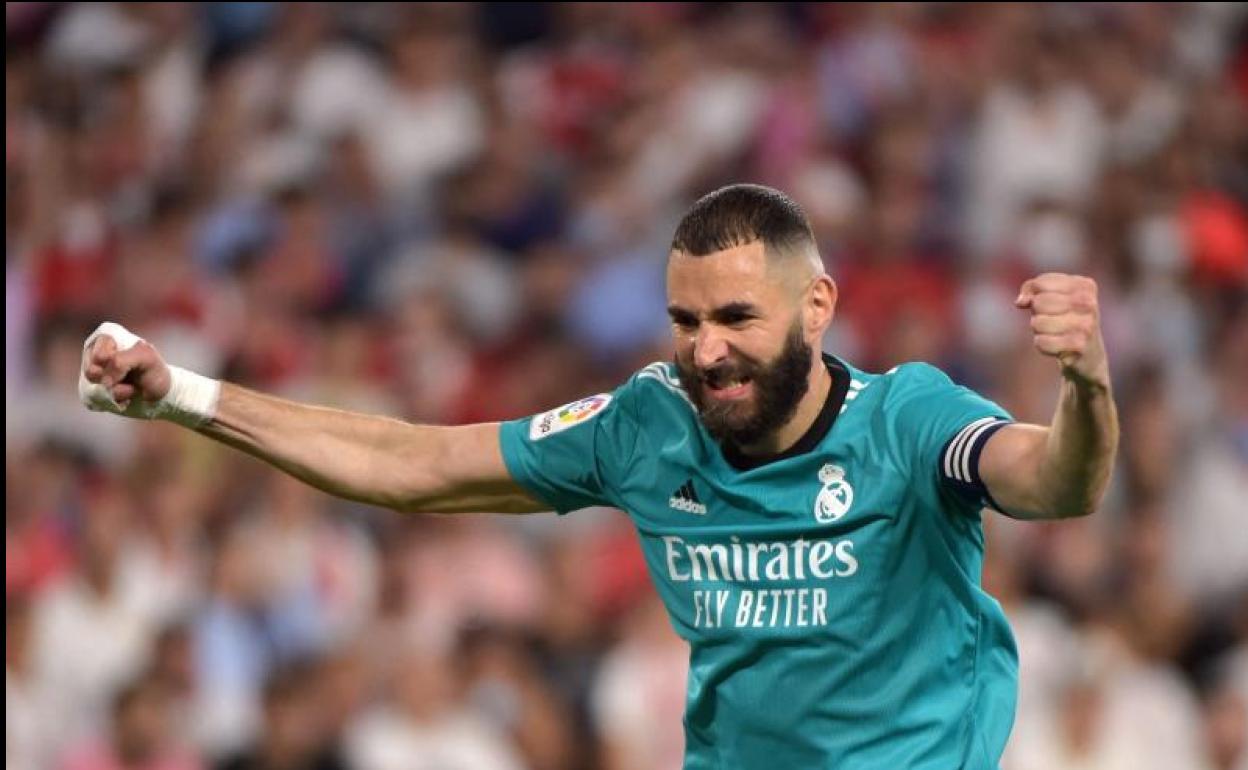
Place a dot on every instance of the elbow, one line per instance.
(1072, 511)
(1079, 497)
(1050, 511)
(416, 501)
(429, 493)
(414, 478)
(411, 493)
(1075, 507)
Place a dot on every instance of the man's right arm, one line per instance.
(370, 459)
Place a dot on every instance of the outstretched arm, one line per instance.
(1062, 470)
(370, 459)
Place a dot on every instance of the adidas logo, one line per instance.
(686, 499)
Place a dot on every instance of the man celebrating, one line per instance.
(813, 529)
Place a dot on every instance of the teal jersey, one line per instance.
(831, 595)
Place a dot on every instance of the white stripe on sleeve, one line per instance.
(952, 450)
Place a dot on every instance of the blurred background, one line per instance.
(460, 212)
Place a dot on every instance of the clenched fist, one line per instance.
(123, 374)
(125, 370)
(1066, 324)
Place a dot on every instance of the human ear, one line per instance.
(820, 305)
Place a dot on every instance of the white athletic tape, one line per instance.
(191, 400)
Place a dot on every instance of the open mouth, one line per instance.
(729, 388)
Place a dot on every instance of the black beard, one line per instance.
(778, 388)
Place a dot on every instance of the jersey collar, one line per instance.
(814, 434)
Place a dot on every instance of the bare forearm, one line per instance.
(1062, 470)
(361, 457)
(371, 459)
(1079, 450)
(345, 454)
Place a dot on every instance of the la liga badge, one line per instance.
(569, 415)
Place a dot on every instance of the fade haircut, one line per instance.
(743, 213)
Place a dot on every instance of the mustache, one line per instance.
(727, 371)
(779, 385)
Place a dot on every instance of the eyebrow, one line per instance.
(733, 311)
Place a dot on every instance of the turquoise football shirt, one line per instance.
(830, 595)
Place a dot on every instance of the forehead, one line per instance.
(735, 274)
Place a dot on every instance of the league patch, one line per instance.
(575, 413)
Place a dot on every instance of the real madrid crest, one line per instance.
(836, 496)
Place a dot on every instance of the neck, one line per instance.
(819, 382)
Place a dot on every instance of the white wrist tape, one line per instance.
(191, 400)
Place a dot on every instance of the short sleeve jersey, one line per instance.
(831, 595)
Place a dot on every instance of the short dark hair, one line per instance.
(739, 214)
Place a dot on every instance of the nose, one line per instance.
(710, 346)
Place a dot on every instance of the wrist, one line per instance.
(191, 400)
(1094, 383)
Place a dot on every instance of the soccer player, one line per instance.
(813, 529)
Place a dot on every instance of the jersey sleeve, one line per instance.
(946, 427)
(572, 457)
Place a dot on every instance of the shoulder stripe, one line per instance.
(647, 374)
(655, 369)
(856, 387)
(670, 380)
(660, 370)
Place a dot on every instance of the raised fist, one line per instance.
(1066, 324)
(122, 373)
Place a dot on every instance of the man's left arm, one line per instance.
(1059, 471)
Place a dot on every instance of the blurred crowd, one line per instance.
(460, 212)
